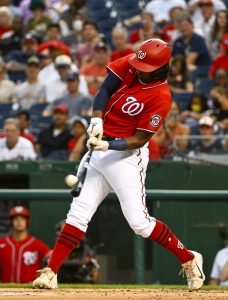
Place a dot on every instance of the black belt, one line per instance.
(109, 138)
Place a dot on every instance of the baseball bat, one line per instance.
(81, 175)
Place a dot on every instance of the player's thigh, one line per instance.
(83, 207)
(129, 185)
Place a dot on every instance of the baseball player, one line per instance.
(20, 253)
(130, 106)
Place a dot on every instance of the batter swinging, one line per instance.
(129, 108)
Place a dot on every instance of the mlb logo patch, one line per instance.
(155, 120)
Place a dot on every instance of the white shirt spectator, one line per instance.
(27, 94)
(197, 15)
(6, 91)
(160, 8)
(49, 74)
(220, 259)
(23, 150)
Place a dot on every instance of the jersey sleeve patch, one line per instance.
(155, 120)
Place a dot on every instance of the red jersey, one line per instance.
(135, 105)
(220, 62)
(19, 261)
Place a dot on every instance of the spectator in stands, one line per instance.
(77, 103)
(219, 29)
(53, 32)
(12, 40)
(95, 71)
(6, 86)
(219, 272)
(30, 91)
(173, 136)
(119, 41)
(178, 77)
(24, 123)
(16, 60)
(21, 254)
(170, 31)
(75, 37)
(5, 20)
(221, 78)
(221, 61)
(204, 25)
(52, 142)
(68, 14)
(51, 49)
(12, 145)
(196, 12)
(84, 51)
(147, 29)
(191, 45)
(77, 145)
(197, 106)
(209, 143)
(57, 88)
(39, 22)
(220, 101)
(160, 9)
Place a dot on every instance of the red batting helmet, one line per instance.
(20, 211)
(151, 55)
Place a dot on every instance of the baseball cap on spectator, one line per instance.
(205, 2)
(224, 44)
(63, 61)
(33, 60)
(206, 120)
(101, 45)
(76, 119)
(54, 44)
(71, 76)
(61, 108)
(34, 4)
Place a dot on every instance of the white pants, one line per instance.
(122, 172)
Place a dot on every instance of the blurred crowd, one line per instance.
(53, 58)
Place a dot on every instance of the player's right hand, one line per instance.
(95, 128)
(92, 142)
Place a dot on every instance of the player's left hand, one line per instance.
(97, 145)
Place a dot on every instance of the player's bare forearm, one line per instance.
(139, 139)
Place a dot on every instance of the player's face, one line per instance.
(19, 224)
(145, 77)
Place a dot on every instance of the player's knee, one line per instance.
(142, 230)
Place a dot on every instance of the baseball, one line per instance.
(71, 180)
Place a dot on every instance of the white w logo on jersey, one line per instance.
(132, 107)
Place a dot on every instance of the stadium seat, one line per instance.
(204, 85)
(200, 72)
(38, 123)
(37, 109)
(182, 99)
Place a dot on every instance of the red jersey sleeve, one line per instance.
(43, 249)
(155, 112)
(120, 67)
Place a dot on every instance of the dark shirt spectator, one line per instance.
(209, 143)
(52, 142)
(16, 60)
(12, 40)
(191, 45)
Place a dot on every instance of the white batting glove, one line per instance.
(92, 141)
(95, 128)
(101, 146)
